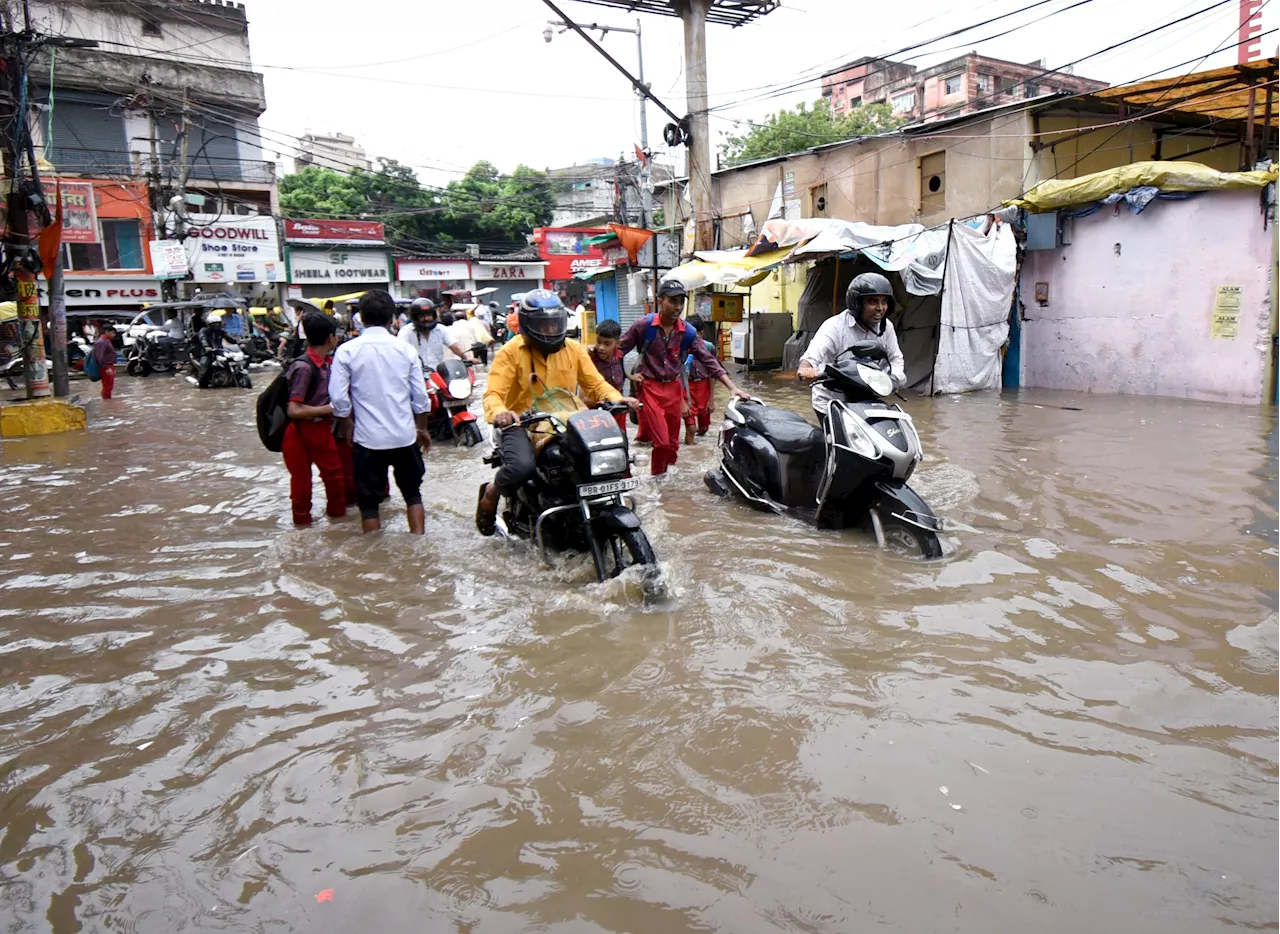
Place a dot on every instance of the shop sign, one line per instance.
(328, 231)
(415, 270)
(79, 213)
(327, 266)
(233, 249)
(508, 270)
(105, 291)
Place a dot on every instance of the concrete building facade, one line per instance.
(336, 151)
(165, 105)
(960, 86)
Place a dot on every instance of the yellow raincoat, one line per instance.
(511, 384)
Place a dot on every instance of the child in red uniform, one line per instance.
(104, 351)
(608, 360)
(701, 396)
(309, 438)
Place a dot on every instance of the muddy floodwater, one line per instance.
(212, 722)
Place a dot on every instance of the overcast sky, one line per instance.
(442, 84)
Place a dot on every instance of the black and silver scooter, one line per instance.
(851, 472)
(575, 500)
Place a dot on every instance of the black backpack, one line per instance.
(273, 410)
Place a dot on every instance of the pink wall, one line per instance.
(1131, 300)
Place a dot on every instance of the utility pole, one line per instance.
(646, 188)
(694, 15)
(19, 243)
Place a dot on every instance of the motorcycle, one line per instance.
(450, 386)
(258, 349)
(853, 471)
(230, 369)
(575, 501)
(155, 351)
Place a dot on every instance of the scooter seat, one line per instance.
(788, 432)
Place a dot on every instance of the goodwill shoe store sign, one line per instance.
(225, 249)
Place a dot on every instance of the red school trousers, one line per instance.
(700, 405)
(312, 442)
(660, 419)
(108, 381)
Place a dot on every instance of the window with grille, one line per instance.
(953, 84)
(904, 103)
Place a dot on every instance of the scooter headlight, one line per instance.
(877, 380)
(604, 463)
(859, 438)
(459, 388)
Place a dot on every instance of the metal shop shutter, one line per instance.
(627, 312)
(212, 148)
(88, 139)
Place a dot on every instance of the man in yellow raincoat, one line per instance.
(536, 362)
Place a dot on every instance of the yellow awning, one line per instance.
(730, 267)
(1167, 176)
(349, 297)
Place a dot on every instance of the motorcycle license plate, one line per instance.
(605, 489)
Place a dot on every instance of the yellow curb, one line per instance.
(40, 417)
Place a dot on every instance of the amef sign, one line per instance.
(565, 252)
(79, 213)
(508, 270)
(233, 249)
(308, 266)
(368, 233)
(419, 270)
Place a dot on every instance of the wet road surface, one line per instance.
(211, 721)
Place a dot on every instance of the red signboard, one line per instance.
(565, 253)
(79, 213)
(328, 231)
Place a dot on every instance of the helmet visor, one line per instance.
(548, 323)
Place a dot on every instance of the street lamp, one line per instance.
(646, 195)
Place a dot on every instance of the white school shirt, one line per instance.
(379, 378)
(429, 347)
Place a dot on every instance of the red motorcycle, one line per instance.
(451, 385)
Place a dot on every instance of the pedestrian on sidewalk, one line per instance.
(701, 395)
(104, 352)
(607, 357)
(377, 380)
(309, 438)
(664, 340)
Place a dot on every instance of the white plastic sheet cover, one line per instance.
(916, 253)
(975, 309)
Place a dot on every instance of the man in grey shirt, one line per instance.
(868, 303)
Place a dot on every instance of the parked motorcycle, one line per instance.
(452, 384)
(575, 501)
(851, 472)
(155, 351)
(230, 369)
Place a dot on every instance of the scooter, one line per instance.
(450, 385)
(851, 472)
(575, 501)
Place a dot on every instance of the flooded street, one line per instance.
(213, 722)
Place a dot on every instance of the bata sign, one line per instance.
(338, 266)
(105, 291)
(367, 233)
(233, 249)
(508, 270)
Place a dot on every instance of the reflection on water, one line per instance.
(210, 719)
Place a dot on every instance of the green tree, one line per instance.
(484, 205)
(796, 130)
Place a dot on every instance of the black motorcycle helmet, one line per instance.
(867, 284)
(544, 322)
(418, 309)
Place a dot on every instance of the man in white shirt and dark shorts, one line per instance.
(378, 380)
